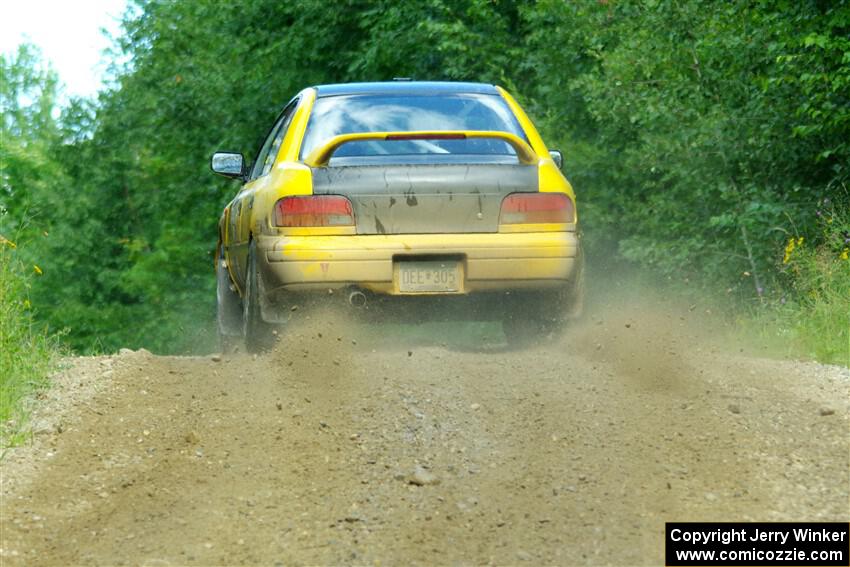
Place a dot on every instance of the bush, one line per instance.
(812, 317)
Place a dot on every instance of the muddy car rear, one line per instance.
(398, 189)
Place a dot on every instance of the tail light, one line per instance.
(313, 210)
(533, 208)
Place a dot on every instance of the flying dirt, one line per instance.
(356, 443)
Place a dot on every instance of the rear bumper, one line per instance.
(490, 262)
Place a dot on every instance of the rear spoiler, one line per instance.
(320, 156)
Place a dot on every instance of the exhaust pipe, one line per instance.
(357, 299)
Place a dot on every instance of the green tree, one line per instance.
(28, 131)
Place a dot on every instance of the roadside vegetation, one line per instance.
(709, 144)
(27, 352)
(810, 314)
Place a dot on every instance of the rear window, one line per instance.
(337, 115)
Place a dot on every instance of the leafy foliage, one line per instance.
(699, 135)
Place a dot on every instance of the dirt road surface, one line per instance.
(368, 446)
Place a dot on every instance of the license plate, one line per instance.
(429, 276)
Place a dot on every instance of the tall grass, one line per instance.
(27, 353)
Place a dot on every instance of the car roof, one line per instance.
(405, 88)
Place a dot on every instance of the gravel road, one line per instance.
(362, 444)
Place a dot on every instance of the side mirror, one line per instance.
(557, 157)
(228, 164)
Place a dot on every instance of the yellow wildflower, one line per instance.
(789, 249)
(7, 242)
(845, 254)
(37, 269)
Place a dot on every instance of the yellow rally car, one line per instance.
(436, 195)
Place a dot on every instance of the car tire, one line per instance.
(574, 297)
(257, 333)
(527, 320)
(228, 309)
(535, 319)
(522, 331)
